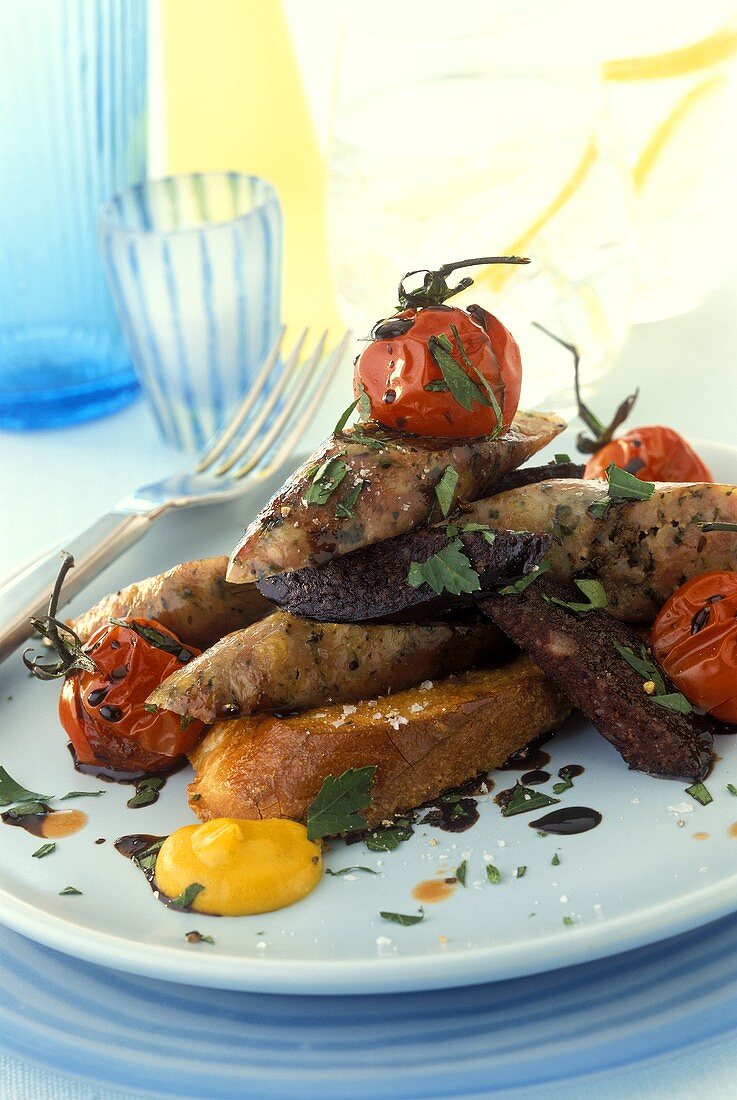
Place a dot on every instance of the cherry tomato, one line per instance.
(104, 714)
(400, 373)
(653, 453)
(694, 639)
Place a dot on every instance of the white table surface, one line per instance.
(53, 483)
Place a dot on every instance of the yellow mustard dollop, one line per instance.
(244, 866)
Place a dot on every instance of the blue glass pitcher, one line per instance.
(73, 95)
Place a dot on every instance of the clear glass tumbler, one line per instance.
(73, 89)
(194, 266)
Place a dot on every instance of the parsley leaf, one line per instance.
(445, 489)
(11, 791)
(44, 850)
(344, 508)
(460, 872)
(699, 793)
(187, 896)
(157, 639)
(463, 389)
(560, 459)
(592, 590)
(493, 874)
(326, 480)
(526, 581)
(345, 417)
(81, 794)
(484, 382)
(732, 789)
(671, 700)
(339, 802)
(68, 891)
(349, 870)
(147, 792)
(623, 486)
(146, 857)
(489, 535)
(390, 837)
(520, 872)
(197, 937)
(364, 402)
(555, 861)
(524, 800)
(403, 918)
(449, 570)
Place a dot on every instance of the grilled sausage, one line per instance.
(284, 663)
(193, 599)
(395, 483)
(641, 550)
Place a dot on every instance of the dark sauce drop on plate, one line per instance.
(113, 775)
(535, 778)
(567, 821)
(533, 756)
(134, 847)
(47, 823)
(571, 771)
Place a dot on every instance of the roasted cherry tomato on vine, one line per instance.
(103, 712)
(694, 639)
(438, 370)
(653, 453)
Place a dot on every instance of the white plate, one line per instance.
(640, 876)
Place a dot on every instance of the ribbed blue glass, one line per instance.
(194, 266)
(73, 92)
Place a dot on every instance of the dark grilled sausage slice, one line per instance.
(578, 654)
(372, 584)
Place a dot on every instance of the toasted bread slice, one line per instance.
(422, 741)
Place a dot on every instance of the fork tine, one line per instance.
(270, 403)
(299, 425)
(226, 435)
(308, 372)
(296, 419)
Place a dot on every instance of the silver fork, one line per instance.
(262, 432)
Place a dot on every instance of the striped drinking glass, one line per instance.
(194, 266)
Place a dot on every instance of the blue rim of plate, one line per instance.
(167, 1041)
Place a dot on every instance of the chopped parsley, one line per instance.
(69, 891)
(187, 896)
(568, 920)
(623, 486)
(326, 480)
(493, 874)
(671, 700)
(11, 791)
(560, 459)
(449, 570)
(157, 639)
(445, 489)
(463, 389)
(197, 937)
(345, 417)
(147, 792)
(566, 781)
(389, 837)
(593, 591)
(344, 508)
(44, 850)
(525, 799)
(350, 870)
(404, 918)
(460, 872)
(699, 793)
(81, 794)
(524, 582)
(732, 789)
(520, 872)
(555, 861)
(338, 805)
